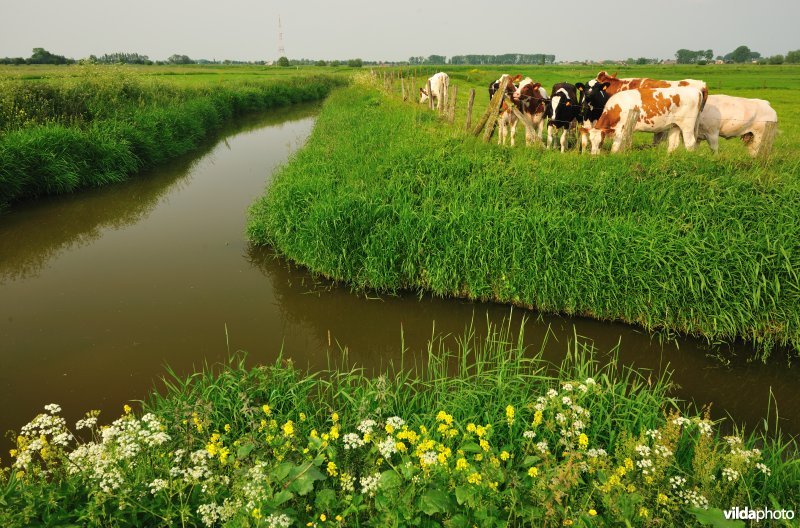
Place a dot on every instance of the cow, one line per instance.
(531, 100)
(604, 86)
(726, 116)
(674, 110)
(440, 84)
(563, 112)
(593, 101)
(507, 120)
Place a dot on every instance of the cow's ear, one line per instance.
(569, 103)
(579, 86)
(606, 85)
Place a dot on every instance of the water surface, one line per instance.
(99, 290)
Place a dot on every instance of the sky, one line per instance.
(395, 31)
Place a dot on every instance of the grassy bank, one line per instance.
(387, 196)
(485, 434)
(102, 124)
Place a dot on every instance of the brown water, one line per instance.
(99, 290)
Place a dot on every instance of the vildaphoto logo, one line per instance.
(758, 515)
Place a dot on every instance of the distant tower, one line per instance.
(281, 50)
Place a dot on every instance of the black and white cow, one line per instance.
(563, 112)
(593, 101)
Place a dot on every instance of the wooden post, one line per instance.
(430, 95)
(489, 119)
(471, 101)
(403, 89)
(768, 137)
(626, 139)
(526, 121)
(451, 106)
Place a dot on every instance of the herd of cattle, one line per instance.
(600, 108)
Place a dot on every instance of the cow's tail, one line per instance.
(703, 95)
(447, 88)
(704, 92)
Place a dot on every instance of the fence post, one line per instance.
(768, 137)
(626, 136)
(452, 99)
(489, 118)
(430, 95)
(471, 101)
(403, 88)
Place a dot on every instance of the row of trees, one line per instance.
(353, 63)
(740, 55)
(508, 58)
(39, 56)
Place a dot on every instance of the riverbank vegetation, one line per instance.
(484, 433)
(387, 195)
(93, 125)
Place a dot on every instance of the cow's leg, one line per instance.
(564, 140)
(658, 137)
(687, 131)
(513, 131)
(673, 138)
(713, 141)
(550, 132)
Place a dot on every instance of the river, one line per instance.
(101, 289)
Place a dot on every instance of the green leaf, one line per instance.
(326, 499)
(281, 497)
(435, 501)
(463, 494)
(714, 517)
(459, 521)
(530, 460)
(282, 471)
(244, 451)
(471, 447)
(390, 480)
(303, 484)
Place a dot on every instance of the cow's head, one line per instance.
(595, 95)
(530, 94)
(596, 138)
(423, 95)
(562, 107)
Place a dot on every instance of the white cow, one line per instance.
(440, 84)
(675, 110)
(726, 116)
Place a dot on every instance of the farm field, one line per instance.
(63, 129)
(691, 242)
(475, 428)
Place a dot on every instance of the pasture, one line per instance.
(388, 195)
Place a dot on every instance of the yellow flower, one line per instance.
(583, 441)
(322, 517)
(302, 417)
(335, 417)
(478, 457)
(314, 434)
(288, 428)
(662, 499)
(389, 428)
(644, 512)
(505, 455)
(227, 428)
(484, 444)
(367, 438)
(256, 513)
(592, 512)
(470, 427)
(339, 518)
(444, 417)
(332, 469)
(628, 463)
(400, 446)
(510, 414)
(126, 408)
(474, 478)
(631, 488)
(266, 409)
(480, 431)
(533, 472)
(495, 461)
(537, 418)
(223, 454)
(461, 464)
(493, 485)
(13, 453)
(568, 522)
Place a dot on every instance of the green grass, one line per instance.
(385, 195)
(101, 125)
(261, 461)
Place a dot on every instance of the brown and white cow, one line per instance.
(506, 121)
(440, 84)
(674, 110)
(726, 116)
(531, 100)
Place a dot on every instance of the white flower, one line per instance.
(396, 422)
(583, 388)
(157, 485)
(352, 441)
(86, 423)
(530, 435)
(566, 400)
(366, 426)
(542, 447)
(560, 418)
(677, 482)
(663, 451)
(733, 440)
(429, 458)
(276, 520)
(731, 474)
(643, 450)
(52, 408)
(595, 453)
(763, 468)
(704, 427)
(680, 420)
(552, 393)
(567, 387)
(369, 484)
(590, 381)
(388, 447)
(655, 434)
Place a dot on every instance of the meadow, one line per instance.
(67, 128)
(482, 433)
(389, 195)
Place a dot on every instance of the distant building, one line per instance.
(719, 61)
(669, 61)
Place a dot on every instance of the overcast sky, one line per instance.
(378, 30)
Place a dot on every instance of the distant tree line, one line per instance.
(508, 58)
(740, 55)
(39, 56)
(685, 56)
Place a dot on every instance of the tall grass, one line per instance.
(386, 196)
(252, 444)
(59, 135)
